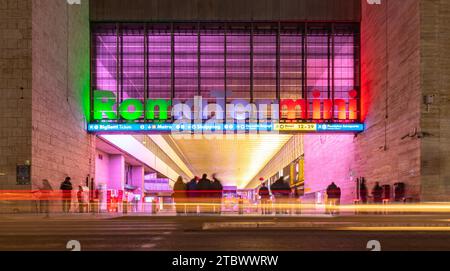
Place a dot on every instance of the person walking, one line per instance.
(332, 193)
(179, 195)
(45, 190)
(264, 195)
(217, 187)
(66, 188)
(192, 195)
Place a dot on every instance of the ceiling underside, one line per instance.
(235, 159)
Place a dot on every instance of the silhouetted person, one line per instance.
(66, 188)
(363, 193)
(338, 199)
(217, 187)
(296, 201)
(179, 195)
(264, 194)
(399, 192)
(81, 199)
(204, 188)
(204, 183)
(281, 191)
(332, 198)
(377, 193)
(45, 188)
(241, 205)
(192, 195)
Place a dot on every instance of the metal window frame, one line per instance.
(355, 28)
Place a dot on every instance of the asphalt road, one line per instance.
(186, 234)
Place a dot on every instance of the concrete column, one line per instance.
(137, 179)
(116, 171)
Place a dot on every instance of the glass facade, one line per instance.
(251, 62)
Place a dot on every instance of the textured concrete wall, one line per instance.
(329, 158)
(233, 10)
(391, 99)
(60, 61)
(101, 167)
(435, 80)
(390, 44)
(15, 102)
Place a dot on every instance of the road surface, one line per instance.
(187, 234)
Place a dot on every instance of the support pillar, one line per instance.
(116, 172)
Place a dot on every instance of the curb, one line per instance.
(312, 225)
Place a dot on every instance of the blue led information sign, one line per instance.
(262, 127)
(338, 127)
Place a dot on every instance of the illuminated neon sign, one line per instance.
(105, 105)
(322, 109)
(106, 108)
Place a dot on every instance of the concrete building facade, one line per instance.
(405, 62)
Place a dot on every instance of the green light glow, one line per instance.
(105, 106)
(104, 102)
(131, 114)
(162, 105)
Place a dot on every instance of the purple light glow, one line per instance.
(211, 60)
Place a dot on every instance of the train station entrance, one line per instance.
(246, 104)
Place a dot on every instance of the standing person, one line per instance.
(286, 195)
(399, 192)
(136, 201)
(338, 199)
(296, 201)
(66, 188)
(241, 205)
(377, 193)
(277, 189)
(363, 193)
(179, 195)
(332, 193)
(192, 195)
(217, 187)
(204, 186)
(80, 197)
(45, 188)
(264, 194)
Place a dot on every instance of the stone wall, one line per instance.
(61, 64)
(388, 151)
(435, 81)
(15, 89)
(225, 10)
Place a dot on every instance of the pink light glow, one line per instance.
(133, 147)
(329, 158)
(226, 61)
